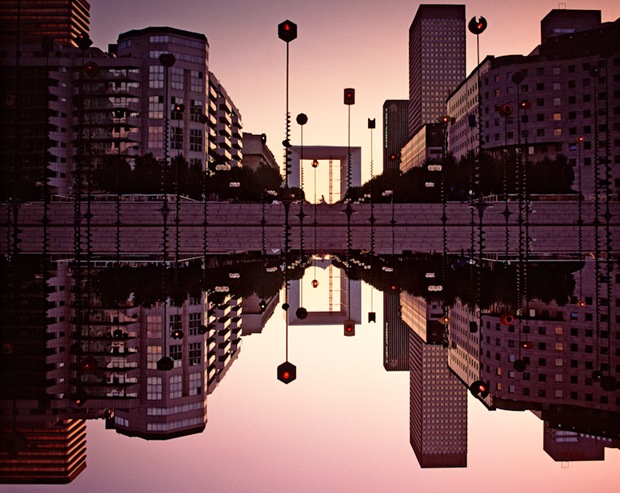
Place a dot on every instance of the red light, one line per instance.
(482, 387)
(393, 288)
(287, 27)
(480, 25)
(582, 303)
(349, 328)
(315, 283)
(286, 375)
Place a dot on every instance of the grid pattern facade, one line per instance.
(436, 61)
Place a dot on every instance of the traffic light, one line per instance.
(287, 372)
(477, 26)
(507, 319)
(91, 69)
(165, 364)
(393, 156)
(178, 107)
(519, 365)
(372, 123)
(479, 389)
(525, 104)
(82, 41)
(79, 397)
(473, 327)
(301, 313)
(263, 139)
(287, 31)
(372, 317)
(505, 109)
(349, 96)
(349, 328)
(527, 344)
(88, 364)
(177, 334)
(262, 304)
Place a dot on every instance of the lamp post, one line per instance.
(287, 32)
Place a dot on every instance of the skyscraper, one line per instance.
(61, 20)
(395, 131)
(436, 61)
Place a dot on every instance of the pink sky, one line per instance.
(342, 426)
(352, 43)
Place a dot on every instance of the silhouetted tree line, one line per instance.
(152, 283)
(497, 175)
(547, 282)
(148, 176)
(264, 276)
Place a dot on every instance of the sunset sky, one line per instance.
(346, 43)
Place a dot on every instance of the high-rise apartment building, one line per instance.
(61, 20)
(436, 61)
(184, 83)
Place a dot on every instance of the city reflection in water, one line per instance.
(142, 343)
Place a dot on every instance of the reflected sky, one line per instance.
(347, 421)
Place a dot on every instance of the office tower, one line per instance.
(438, 400)
(438, 407)
(436, 61)
(559, 22)
(43, 453)
(395, 335)
(395, 131)
(61, 20)
(562, 104)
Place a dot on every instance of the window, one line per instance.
(153, 355)
(176, 351)
(153, 388)
(557, 117)
(176, 386)
(153, 326)
(156, 137)
(177, 138)
(176, 78)
(195, 384)
(194, 323)
(196, 110)
(156, 107)
(194, 353)
(156, 76)
(195, 139)
(557, 132)
(197, 83)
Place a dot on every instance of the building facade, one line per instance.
(395, 131)
(436, 61)
(60, 20)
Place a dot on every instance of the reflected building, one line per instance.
(39, 452)
(395, 335)
(438, 401)
(254, 316)
(344, 299)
